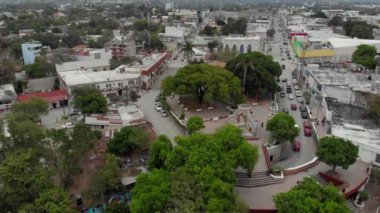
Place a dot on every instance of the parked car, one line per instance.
(307, 128)
(304, 115)
(293, 107)
(282, 94)
(164, 113)
(298, 94)
(291, 96)
(158, 108)
(288, 90)
(157, 99)
(297, 146)
(68, 125)
(302, 108)
(285, 110)
(284, 80)
(296, 87)
(300, 100)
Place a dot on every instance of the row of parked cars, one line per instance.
(158, 106)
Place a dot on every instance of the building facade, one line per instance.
(243, 44)
(29, 51)
(7, 97)
(121, 46)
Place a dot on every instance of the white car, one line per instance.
(296, 87)
(158, 108)
(291, 96)
(298, 93)
(68, 125)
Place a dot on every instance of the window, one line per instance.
(377, 158)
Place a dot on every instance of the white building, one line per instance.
(178, 34)
(110, 82)
(88, 65)
(115, 119)
(243, 44)
(367, 140)
(7, 97)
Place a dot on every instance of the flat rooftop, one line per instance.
(357, 134)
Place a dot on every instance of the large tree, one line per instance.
(53, 200)
(32, 109)
(270, 33)
(90, 100)
(23, 177)
(106, 180)
(232, 26)
(310, 197)
(127, 140)
(204, 81)
(365, 55)
(359, 29)
(259, 70)
(336, 151)
(159, 151)
(70, 147)
(194, 124)
(282, 127)
(197, 175)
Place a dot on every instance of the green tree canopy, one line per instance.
(311, 197)
(196, 175)
(194, 124)
(140, 25)
(89, 100)
(41, 68)
(127, 140)
(365, 55)
(319, 14)
(232, 26)
(282, 127)
(32, 109)
(23, 177)
(106, 180)
(359, 29)
(70, 147)
(159, 151)
(261, 73)
(53, 200)
(203, 81)
(270, 33)
(336, 151)
(336, 21)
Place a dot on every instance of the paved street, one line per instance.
(161, 125)
(308, 146)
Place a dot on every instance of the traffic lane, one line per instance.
(308, 146)
(161, 125)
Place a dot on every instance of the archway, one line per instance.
(227, 48)
(234, 48)
(241, 48)
(249, 48)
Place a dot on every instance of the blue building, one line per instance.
(30, 50)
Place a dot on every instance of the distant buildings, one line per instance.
(86, 65)
(7, 97)
(30, 50)
(121, 46)
(55, 99)
(25, 32)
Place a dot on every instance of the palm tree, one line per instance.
(187, 48)
(245, 63)
(307, 97)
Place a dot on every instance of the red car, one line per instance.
(307, 128)
(293, 106)
(297, 146)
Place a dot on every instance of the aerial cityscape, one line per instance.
(255, 106)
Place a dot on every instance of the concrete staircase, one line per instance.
(320, 180)
(352, 207)
(256, 179)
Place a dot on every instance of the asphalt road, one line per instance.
(308, 147)
(161, 125)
